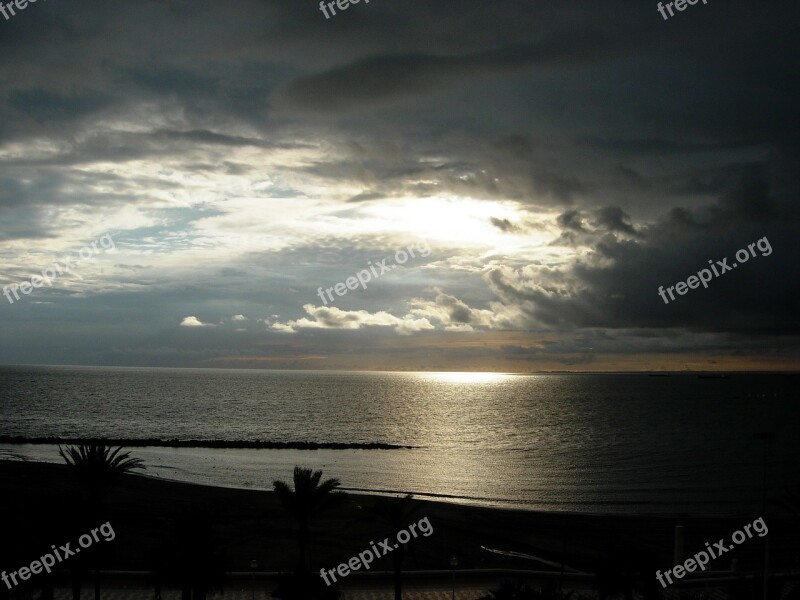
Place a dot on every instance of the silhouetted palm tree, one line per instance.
(307, 500)
(96, 468)
(397, 513)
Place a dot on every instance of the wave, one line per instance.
(175, 443)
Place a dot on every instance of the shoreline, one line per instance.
(456, 501)
(528, 505)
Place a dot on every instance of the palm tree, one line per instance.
(96, 468)
(306, 501)
(396, 513)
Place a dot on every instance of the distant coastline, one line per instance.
(345, 371)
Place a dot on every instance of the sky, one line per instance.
(446, 186)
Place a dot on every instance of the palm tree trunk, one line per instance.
(97, 505)
(398, 573)
(303, 542)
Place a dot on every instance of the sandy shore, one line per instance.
(41, 506)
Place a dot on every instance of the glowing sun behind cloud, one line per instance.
(461, 221)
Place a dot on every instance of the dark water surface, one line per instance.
(590, 443)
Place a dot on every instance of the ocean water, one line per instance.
(600, 443)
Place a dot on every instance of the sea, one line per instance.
(587, 443)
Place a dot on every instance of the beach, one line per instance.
(42, 506)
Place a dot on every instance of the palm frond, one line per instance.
(309, 496)
(97, 465)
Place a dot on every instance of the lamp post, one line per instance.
(766, 437)
(253, 568)
(453, 565)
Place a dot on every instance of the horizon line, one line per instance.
(543, 372)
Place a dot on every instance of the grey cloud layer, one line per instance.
(657, 146)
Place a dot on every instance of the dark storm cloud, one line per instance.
(43, 106)
(614, 219)
(616, 286)
(570, 219)
(503, 224)
(566, 41)
(366, 197)
(509, 167)
(204, 136)
(380, 79)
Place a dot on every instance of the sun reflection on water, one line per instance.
(466, 377)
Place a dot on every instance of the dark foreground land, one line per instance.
(161, 526)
